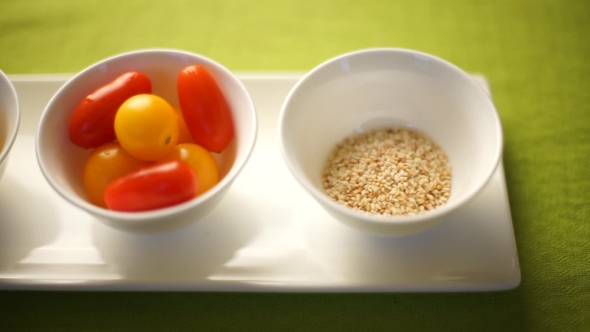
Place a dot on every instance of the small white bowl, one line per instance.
(9, 119)
(376, 88)
(62, 162)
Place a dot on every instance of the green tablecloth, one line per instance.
(535, 56)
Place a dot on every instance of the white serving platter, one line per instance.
(267, 235)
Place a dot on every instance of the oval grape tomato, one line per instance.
(205, 109)
(147, 127)
(201, 161)
(157, 186)
(105, 164)
(92, 122)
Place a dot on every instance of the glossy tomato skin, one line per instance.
(201, 161)
(160, 185)
(147, 127)
(105, 164)
(184, 135)
(92, 123)
(205, 109)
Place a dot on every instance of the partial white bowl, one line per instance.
(377, 88)
(9, 119)
(61, 161)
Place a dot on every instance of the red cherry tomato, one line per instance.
(92, 123)
(205, 110)
(157, 186)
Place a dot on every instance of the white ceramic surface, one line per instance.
(267, 234)
(62, 162)
(9, 119)
(378, 88)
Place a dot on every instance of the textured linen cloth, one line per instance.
(535, 55)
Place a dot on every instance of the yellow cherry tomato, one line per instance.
(201, 161)
(147, 127)
(105, 164)
(184, 135)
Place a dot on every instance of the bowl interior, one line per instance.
(62, 161)
(9, 115)
(374, 89)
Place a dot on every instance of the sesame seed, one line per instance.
(390, 171)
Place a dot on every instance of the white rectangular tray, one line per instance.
(267, 235)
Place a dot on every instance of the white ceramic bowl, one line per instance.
(62, 162)
(376, 88)
(9, 119)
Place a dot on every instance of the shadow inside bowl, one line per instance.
(193, 253)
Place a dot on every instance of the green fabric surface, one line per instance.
(534, 54)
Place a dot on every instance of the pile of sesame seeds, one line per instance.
(393, 171)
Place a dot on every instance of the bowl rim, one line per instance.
(146, 216)
(375, 219)
(5, 150)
